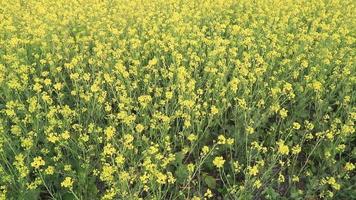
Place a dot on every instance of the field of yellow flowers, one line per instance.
(177, 99)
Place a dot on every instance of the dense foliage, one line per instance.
(177, 99)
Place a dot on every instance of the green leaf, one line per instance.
(270, 193)
(181, 173)
(68, 196)
(32, 194)
(179, 158)
(210, 182)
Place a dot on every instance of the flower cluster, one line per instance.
(166, 99)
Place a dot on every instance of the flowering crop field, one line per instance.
(177, 99)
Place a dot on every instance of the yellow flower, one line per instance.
(107, 173)
(38, 162)
(67, 182)
(109, 149)
(250, 130)
(65, 135)
(52, 137)
(221, 139)
(304, 63)
(296, 149)
(109, 132)
(95, 88)
(332, 182)
(317, 86)
(214, 110)
(169, 95)
(205, 150)
(139, 128)
(196, 198)
(253, 171)
(120, 159)
(257, 184)
(49, 170)
(33, 185)
(208, 194)
(153, 62)
(144, 178)
(171, 178)
(127, 139)
(190, 167)
(192, 137)
(47, 82)
(27, 143)
(296, 125)
(218, 161)
(230, 141)
(281, 178)
(67, 168)
(237, 166)
(124, 176)
(295, 178)
(144, 100)
(283, 113)
(349, 166)
(282, 148)
(20, 165)
(234, 84)
(161, 178)
(242, 104)
(58, 86)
